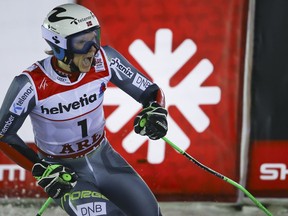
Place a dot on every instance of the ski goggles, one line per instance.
(79, 43)
(82, 42)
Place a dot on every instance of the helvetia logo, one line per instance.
(62, 108)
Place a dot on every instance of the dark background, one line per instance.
(270, 71)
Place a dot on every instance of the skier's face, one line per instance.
(84, 46)
(84, 61)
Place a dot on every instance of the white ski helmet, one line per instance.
(64, 24)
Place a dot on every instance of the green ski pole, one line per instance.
(235, 184)
(44, 206)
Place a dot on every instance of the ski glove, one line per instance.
(152, 121)
(55, 179)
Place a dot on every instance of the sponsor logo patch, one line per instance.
(92, 209)
(99, 63)
(62, 108)
(6, 125)
(119, 67)
(21, 101)
(76, 195)
(141, 82)
(43, 84)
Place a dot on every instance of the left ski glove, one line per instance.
(152, 121)
(55, 179)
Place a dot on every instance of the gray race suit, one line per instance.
(68, 124)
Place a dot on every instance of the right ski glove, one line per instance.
(152, 121)
(55, 179)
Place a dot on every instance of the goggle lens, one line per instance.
(82, 42)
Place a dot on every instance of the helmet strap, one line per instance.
(73, 67)
(68, 59)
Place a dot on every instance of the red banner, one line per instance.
(268, 170)
(194, 50)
